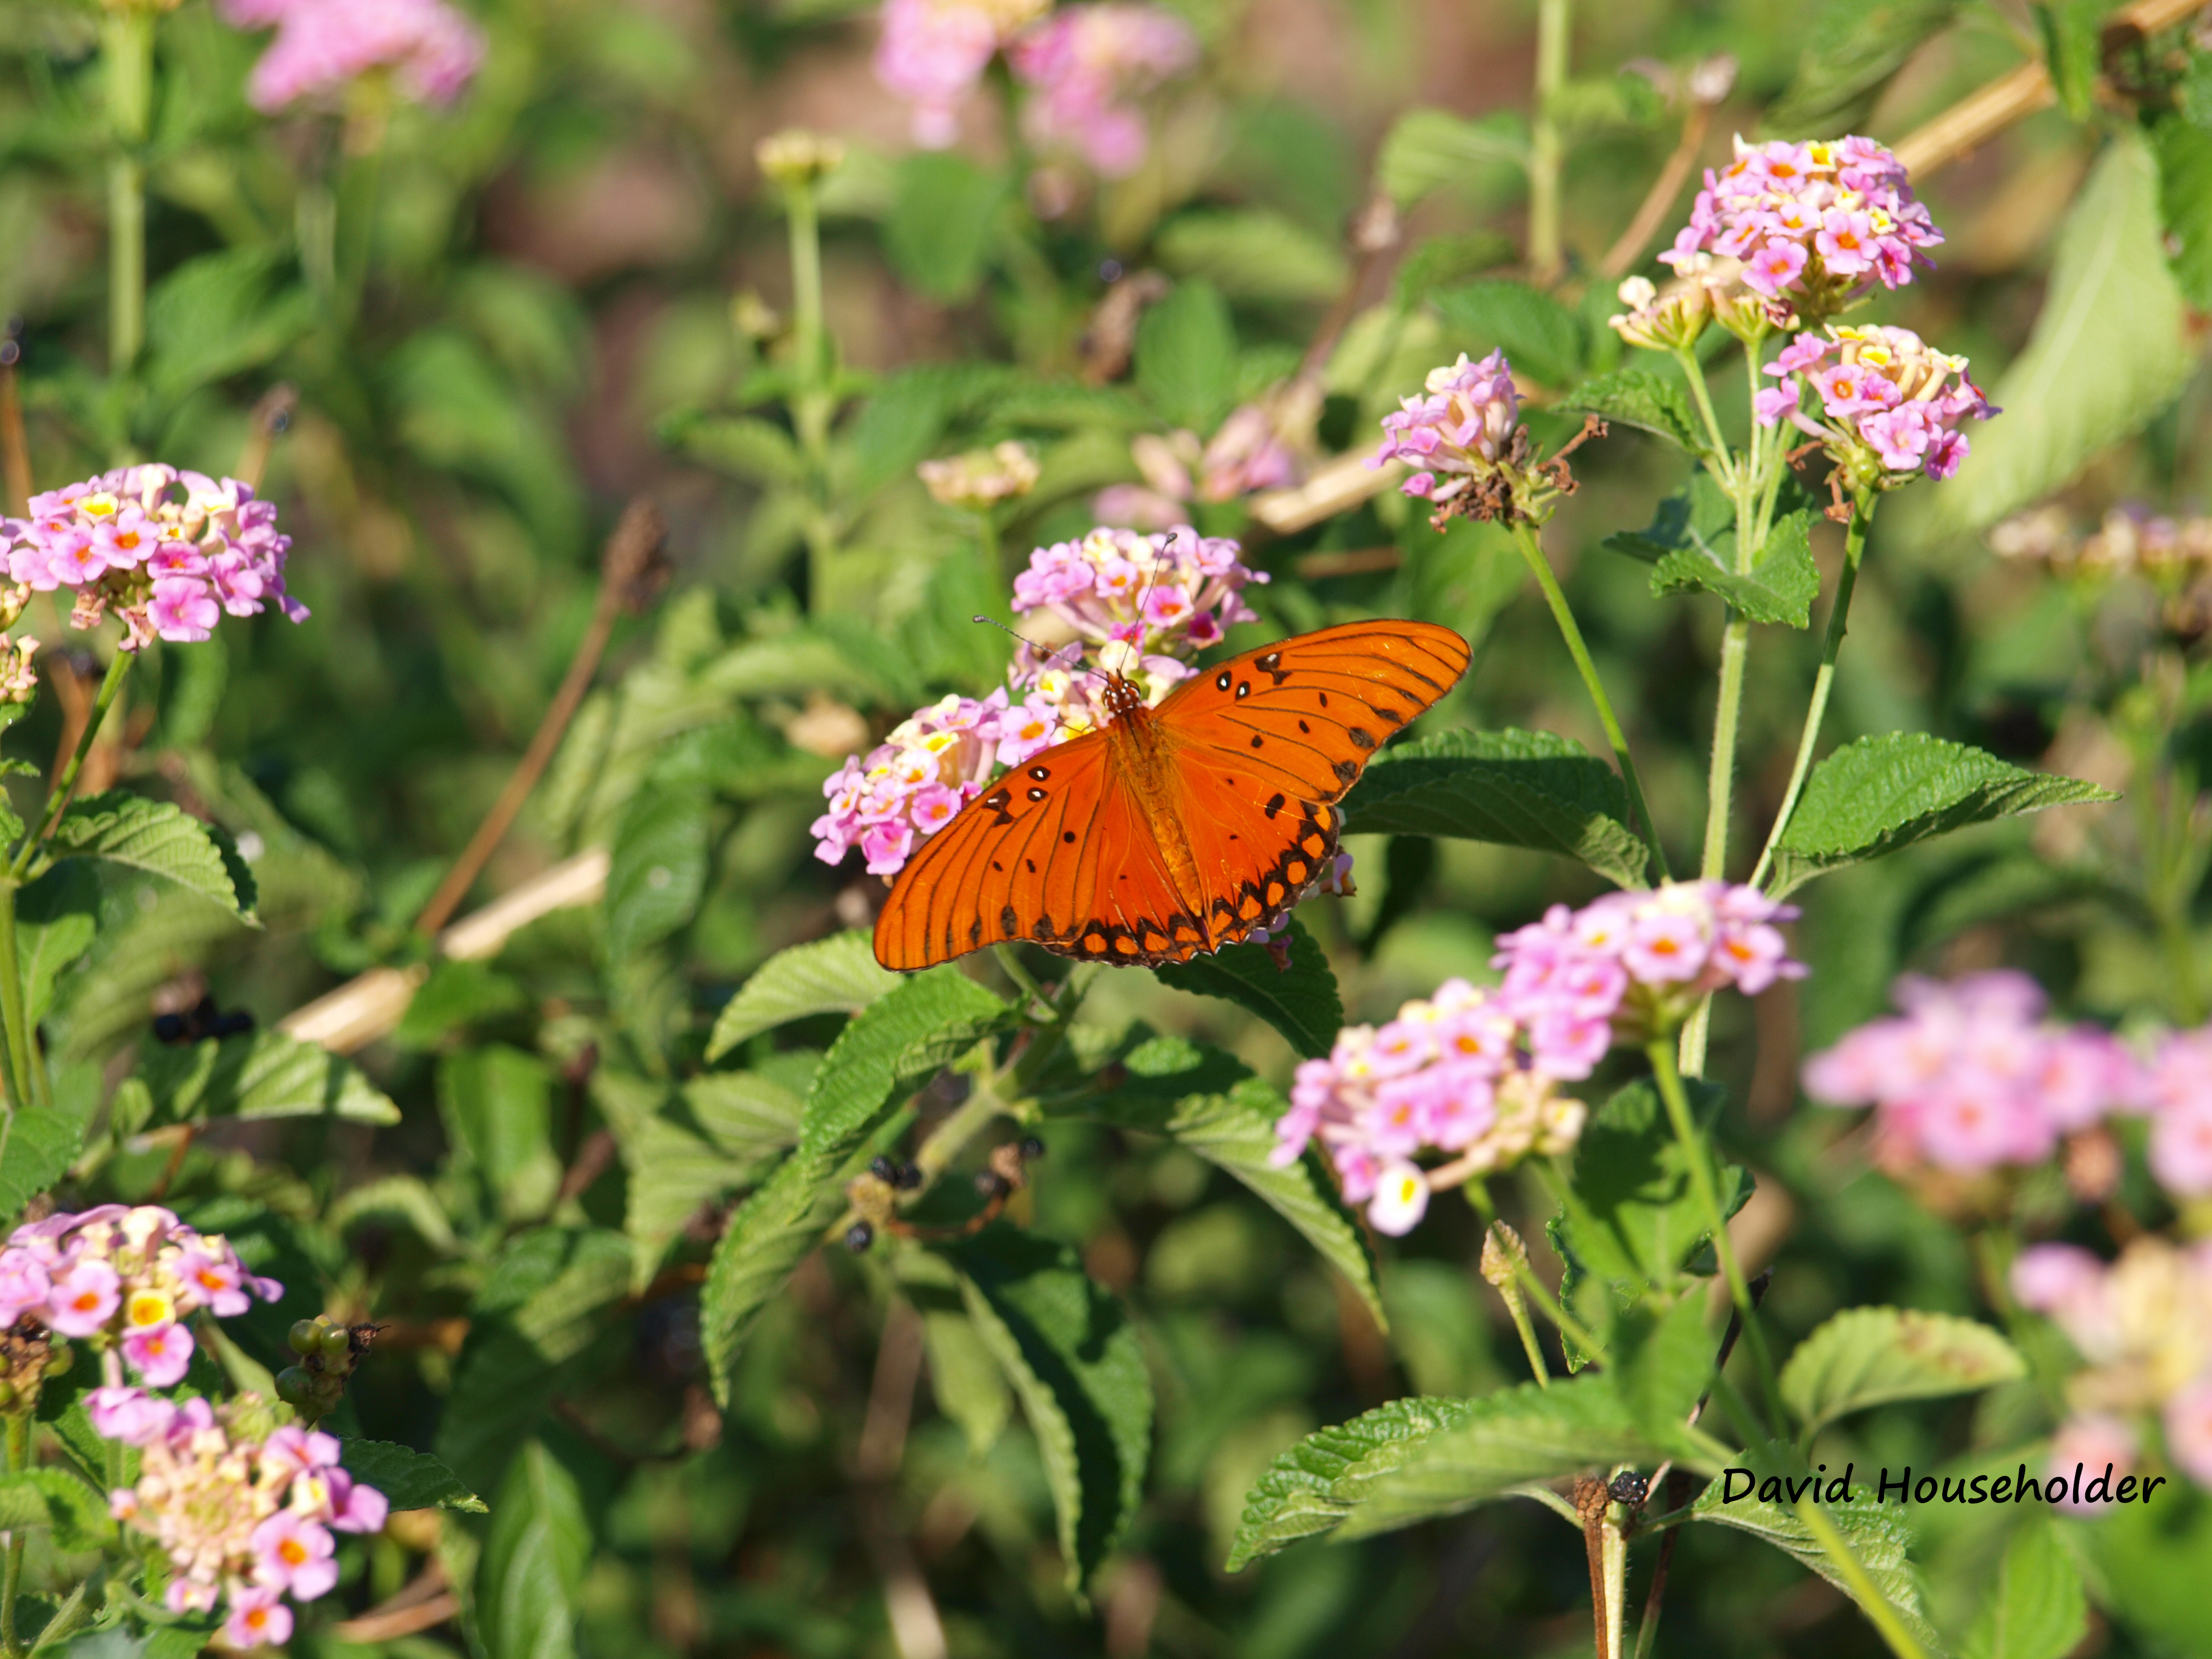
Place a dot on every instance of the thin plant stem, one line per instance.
(11, 1575)
(1832, 646)
(1720, 783)
(1547, 148)
(1613, 1550)
(1720, 464)
(1524, 536)
(13, 1014)
(1662, 1052)
(118, 669)
(1869, 1595)
(1010, 964)
(813, 403)
(1516, 1306)
(127, 62)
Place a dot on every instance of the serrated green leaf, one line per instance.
(37, 1145)
(896, 1043)
(1301, 1002)
(656, 868)
(402, 1200)
(744, 1115)
(56, 918)
(1076, 1365)
(219, 314)
(1186, 355)
(261, 1074)
(942, 222)
(2109, 351)
(49, 1497)
(1206, 1102)
(2184, 149)
(838, 974)
(2073, 51)
(1638, 397)
(743, 445)
(1878, 1536)
(2038, 1610)
(1543, 340)
(1426, 148)
(531, 1331)
(1445, 261)
(1691, 543)
(964, 1376)
(163, 839)
(1414, 1460)
(1252, 253)
(1868, 1356)
(1879, 795)
(1661, 1358)
(675, 1168)
(1631, 1209)
(408, 1479)
(1851, 51)
(1517, 788)
(530, 1582)
(497, 1104)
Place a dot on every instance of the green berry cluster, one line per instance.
(328, 1353)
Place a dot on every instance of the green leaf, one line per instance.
(965, 1377)
(2184, 201)
(408, 1479)
(51, 1497)
(675, 1170)
(1879, 795)
(2073, 51)
(162, 839)
(1662, 1360)
(1517, 788)
(261, 1074)
(2038, 1610)
(1691, 544)
(1870, 1356)
(220, 314)
(743, 445)
(1442, 261)
(497, 1104)
(530, 1582)
(1851, 51)
(2109, 351)
(1543, 340)
(1638, 397)
(1174, 1087)
(942, 220)
(1429, 148)
(36, 1146)
(743, 1115)
(1414, 1460)
(1186, 357)
(1877, 1536)
(838, 974)
(1302, 1003)
(897, 1043)
(1631, 1213)
(1252, 253)
(456, 994)
(1077, 1367)
(656, 868)
(56, 918)
(532, 1328)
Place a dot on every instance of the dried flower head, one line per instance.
(982, 478)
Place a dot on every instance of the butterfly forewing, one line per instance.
(1069, 852)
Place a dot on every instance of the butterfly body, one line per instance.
(1172, 832)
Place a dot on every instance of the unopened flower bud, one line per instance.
(1504, 1255)
(795, 156)
(982, 478)
(19, 680)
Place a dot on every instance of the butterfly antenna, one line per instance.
(1049, 656)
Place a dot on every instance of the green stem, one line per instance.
(1720, 781)
(812, 402)
(127, 58)
(118, 669)
(13, 1015)
(1009, 963)
(1871, 1599)
(1532, 550)
(11, 1575)
(1720, 464)
(1662, 1053)
(1516, 1307)
(1546, 149)
(1832, 646)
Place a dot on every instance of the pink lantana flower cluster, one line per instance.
(168, 551)
(1087, 65)
(1460, 428)
(1814, 225)
(1883, 395)
(245, 1511)
(932, 53)
(1249, 453)
(2143, 1324)
(128, 1279)
(1472, 1073)
(1459, 1074)
(321, 46)
(1969, 1075)
(1143, 606)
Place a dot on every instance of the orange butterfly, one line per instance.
(1177, 829)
